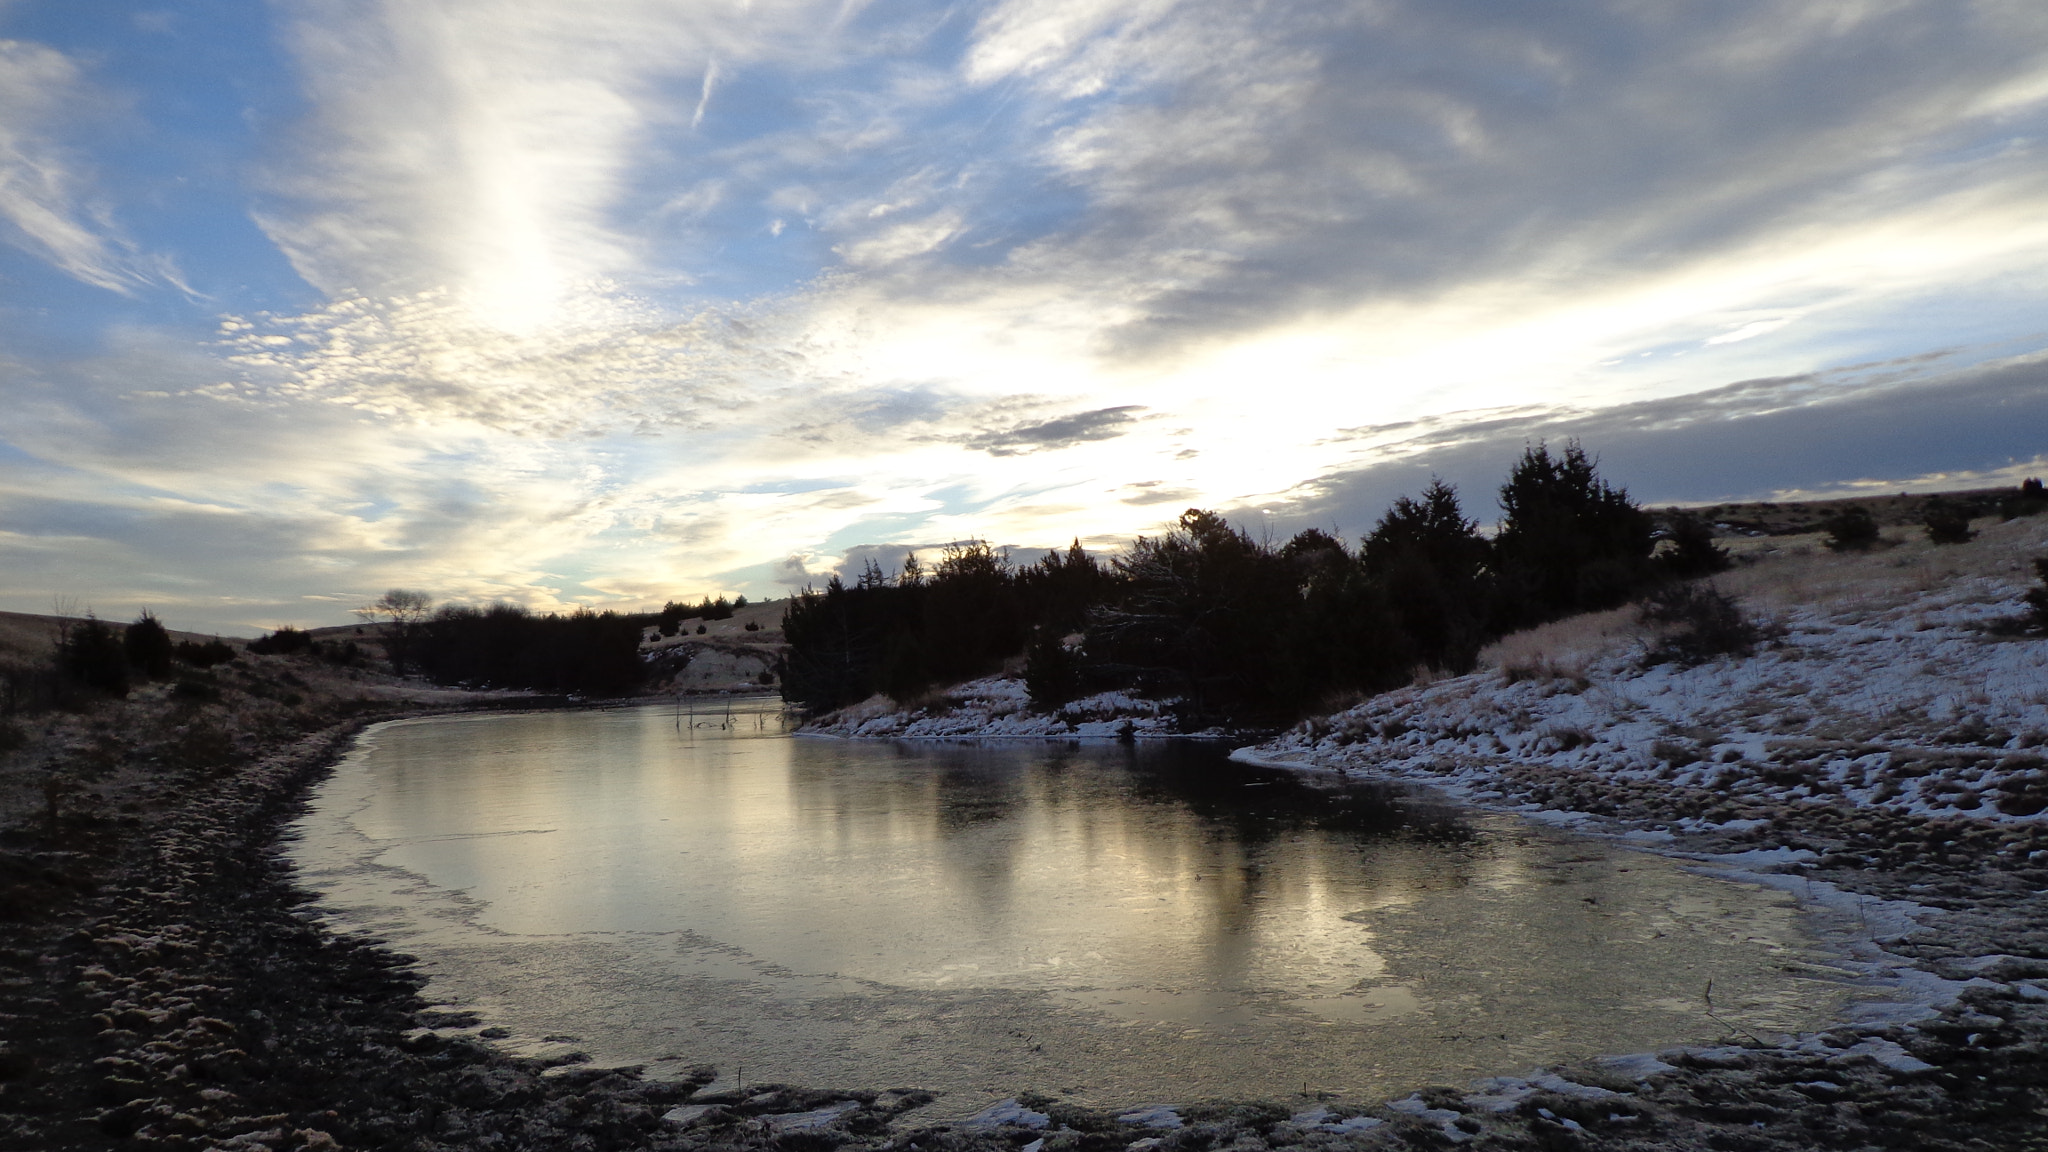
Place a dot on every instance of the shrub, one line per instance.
(2029, 500)
(346, 654)
(197, 690)
(1852, 529)
(1704, 623)
(88, 654)
(1693, 552)
(25, 686)
(2037, 598)
(283, 642)
(214, 651)
(148, 646)
(202, 743)
(1052, 674)
(1947, 523)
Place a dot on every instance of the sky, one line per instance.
(618, 301)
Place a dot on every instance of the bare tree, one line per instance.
(403, 611)
(399, 606)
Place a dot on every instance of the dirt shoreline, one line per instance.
(179, 995)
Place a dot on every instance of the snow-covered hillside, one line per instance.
(1894, 680)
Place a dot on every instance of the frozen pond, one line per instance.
(1123, 923)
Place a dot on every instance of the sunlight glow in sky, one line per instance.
(623, 300)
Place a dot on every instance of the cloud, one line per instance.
(612, 292)
(484, 148)
(45, 191)
(793, 571)
(1880, 427)
(1061, 432)
(1148, 492)
(608, 362)
(1294, 157)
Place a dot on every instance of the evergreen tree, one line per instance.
(1052, 672)
(1947, 523)
(1569, 541)
(90, 655)
(1429, 561)
(1853, 529)
(148, 646)
(835, 641)
(1198, 615)
(504, 645)
(1693, 551)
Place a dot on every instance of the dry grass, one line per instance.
(1779, 574)
(27, 637)
(1798, 571)
(1564, 649)
(868, 709)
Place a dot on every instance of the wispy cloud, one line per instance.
(46, 195)
(483, 147)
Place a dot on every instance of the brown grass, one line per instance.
(1778, 574)
(1797, 571)
(1563, 649)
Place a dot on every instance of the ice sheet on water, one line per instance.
(1552, 1082)
(1886, 1053)
(1006, 1112)
(1155, 1117)
(815, 1118)
(1637, 1066)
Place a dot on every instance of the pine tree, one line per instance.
(1569, 541)
(148, 647)
(1693, 551)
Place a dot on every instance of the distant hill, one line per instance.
(1796, 517)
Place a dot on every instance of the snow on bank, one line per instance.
(1890, 686)
(1000, 706)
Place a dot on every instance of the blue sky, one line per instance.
(612, 302)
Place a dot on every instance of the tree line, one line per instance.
(1240, 629)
